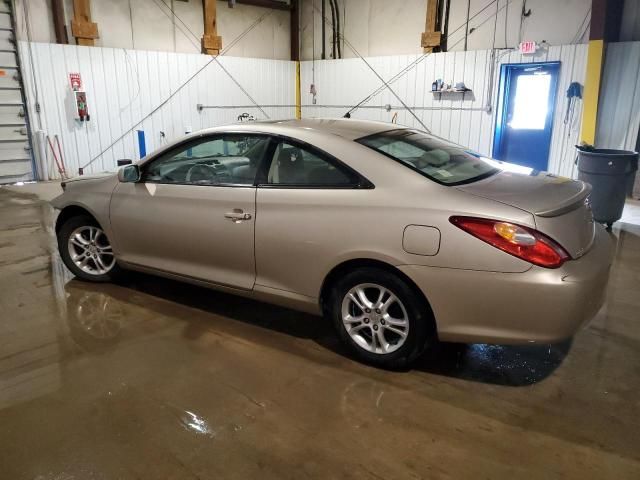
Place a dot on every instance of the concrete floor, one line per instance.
(154, 379)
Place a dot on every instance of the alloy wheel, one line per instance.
(375, 318)
(90, 250)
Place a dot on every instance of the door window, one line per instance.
(531, 104)
(297, 166)
(221, 160)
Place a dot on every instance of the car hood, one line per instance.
(542, 193)
(94, 176)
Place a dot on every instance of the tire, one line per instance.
(102, 269)
(408, 314)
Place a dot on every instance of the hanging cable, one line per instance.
(373, 70)
(343, 23)
(445, 23)
(466, 31)
(524, 13)
(324, 33)
(196, 44)
(160, 4)
(133, 43)
(506, 25)
(32, 68)
(578, 36)
(584, 31)
(233, 43)
(162, 104)
(137, 77)
(421, 58)
(495, 27)
(313, 44)
(411, 65)
(338, 30)
(215, 57)
(333, 28)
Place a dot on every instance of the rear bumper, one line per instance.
(539, 305)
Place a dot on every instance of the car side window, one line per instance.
(221, 160)
(297, 166)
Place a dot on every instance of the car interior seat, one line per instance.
(290, 166)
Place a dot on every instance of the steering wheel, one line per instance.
(200, 172)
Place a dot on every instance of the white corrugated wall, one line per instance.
(343, 83)
(619, 107)
(125, 86)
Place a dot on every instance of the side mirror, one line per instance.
(129, 174)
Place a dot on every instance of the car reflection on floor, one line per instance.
(97, 314)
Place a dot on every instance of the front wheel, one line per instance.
(380, 317)
(86, 250)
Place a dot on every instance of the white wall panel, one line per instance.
(123, 88)
(619, 107)
(466, 119)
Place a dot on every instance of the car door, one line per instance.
(192, 212)
(310, 206)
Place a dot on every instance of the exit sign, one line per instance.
(528, 47)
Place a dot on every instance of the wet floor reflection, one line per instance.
(96, 314)
(508, 365)
(95, 318)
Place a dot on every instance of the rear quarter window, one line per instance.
(436, 159)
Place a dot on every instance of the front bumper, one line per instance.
(540, 305)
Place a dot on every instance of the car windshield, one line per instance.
(438, 160)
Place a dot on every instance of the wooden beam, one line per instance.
(57, 10)
(211, 42)
(430, 37)
(82, 27)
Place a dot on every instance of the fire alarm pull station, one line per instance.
(79, 98)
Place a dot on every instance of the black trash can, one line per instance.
(611, 173)
(631, 179)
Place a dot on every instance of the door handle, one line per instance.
(237, 215)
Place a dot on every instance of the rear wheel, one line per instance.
(380, 317)
(86, 250)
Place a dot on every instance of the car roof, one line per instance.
(349, 129)
(343, 127)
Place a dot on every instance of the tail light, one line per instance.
(522, 242)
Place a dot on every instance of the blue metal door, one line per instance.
(524, 119)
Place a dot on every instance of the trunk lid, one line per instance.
(560, 205)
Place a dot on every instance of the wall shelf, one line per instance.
(450, 92)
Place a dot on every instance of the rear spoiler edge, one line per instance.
(569, 204)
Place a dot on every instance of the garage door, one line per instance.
(15, 151)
